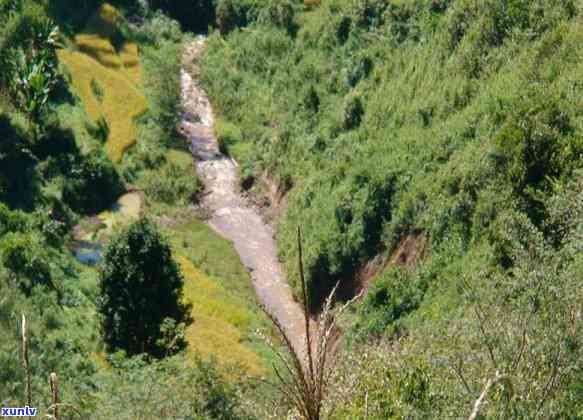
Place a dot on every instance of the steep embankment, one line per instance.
(231, 216)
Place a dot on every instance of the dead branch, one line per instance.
(480, 401)
(25, 363)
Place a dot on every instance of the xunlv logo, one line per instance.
(18, 411)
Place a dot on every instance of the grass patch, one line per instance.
(220, 322)
(103, 59)
(225, 308)
(179, 157)
(213, 255)
(230, 139)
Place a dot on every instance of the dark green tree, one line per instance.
(193, 15)
(141, 293)
(19, 181)
(94, 183)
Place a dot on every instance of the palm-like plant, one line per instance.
(34, 72)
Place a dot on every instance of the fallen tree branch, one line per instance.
(478, 404)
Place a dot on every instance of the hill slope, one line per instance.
(450, 128)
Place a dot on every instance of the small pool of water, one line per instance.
(88, 253)
(88, 247)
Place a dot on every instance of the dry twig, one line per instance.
(25, 362)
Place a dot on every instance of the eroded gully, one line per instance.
(230, 215)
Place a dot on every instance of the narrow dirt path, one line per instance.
(231, 216)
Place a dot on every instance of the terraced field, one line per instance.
(107, 75)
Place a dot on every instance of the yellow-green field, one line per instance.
(108, 80)
(218, 321)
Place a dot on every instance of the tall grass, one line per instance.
(304, 380)
(387, 119)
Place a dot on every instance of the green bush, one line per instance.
(343, 227)
(227, 135)
(94, 184)
(139, 276)
(28, 55)
(201, 391)
(172, 184)
(11, 221)
(148, 153)
(278, 13)
(528, 146)
(162, 64)
(18, 31)
(159, 28)
(25, 256)
(393, 295)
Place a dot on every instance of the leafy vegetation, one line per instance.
(55, 175)
(430, 149)
(431, 111)
(456, 121)
(139, 276)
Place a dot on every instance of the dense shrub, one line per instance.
(11, 221)
(18, 31)
(388, 118)
(158, 28)
(201, 391)
(139, 276)
(148, 153)
(162, 67)
(172, 184)
(395, 294)
(227, 135)
(25, 256)
(278, 13)
(94, 184)
(528, 146)
(345, 226)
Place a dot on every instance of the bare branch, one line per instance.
(54, 383)
(25, 363)
(480, 401)
(306, 307)
(308, 381)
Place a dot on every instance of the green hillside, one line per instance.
(89, 105)
(430, 151)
